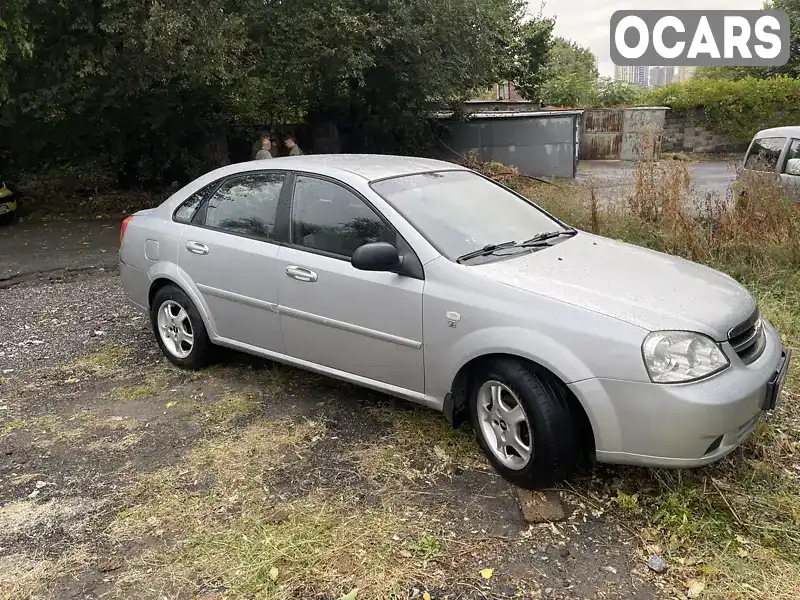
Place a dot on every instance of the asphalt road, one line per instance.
(614, 179)
(48, 250)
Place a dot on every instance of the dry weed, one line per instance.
(421, 444)
(24, 577)
(219, 523)
(734, 526)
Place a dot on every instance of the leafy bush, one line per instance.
(737, 108)
(610, 93)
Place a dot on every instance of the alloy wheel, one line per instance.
(505, 425)
(175, 329)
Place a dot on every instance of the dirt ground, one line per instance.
(123, 477)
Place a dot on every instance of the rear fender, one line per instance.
(173, 273)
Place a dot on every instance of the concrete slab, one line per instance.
(540, 507)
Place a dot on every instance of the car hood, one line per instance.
(649, 289)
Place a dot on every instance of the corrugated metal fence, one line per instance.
(543, 143)
(622, 133)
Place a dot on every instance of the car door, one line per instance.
(228, 250)
(791, 181)
(363, 323)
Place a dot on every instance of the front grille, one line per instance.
(748, 339)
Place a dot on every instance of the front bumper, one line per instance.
(683, 425)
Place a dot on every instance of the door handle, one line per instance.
(196, 248)
(301, 274)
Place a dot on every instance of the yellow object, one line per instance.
(7, 205)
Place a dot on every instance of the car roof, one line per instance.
(367, 166)
(787, 131)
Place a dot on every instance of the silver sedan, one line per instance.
(430, 282)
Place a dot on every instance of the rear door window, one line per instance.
(764, 154)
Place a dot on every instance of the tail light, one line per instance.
(123, 228)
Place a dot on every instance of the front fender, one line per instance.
(173, 273)
(517, 341)
(524, 343)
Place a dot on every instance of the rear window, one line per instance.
(764, 154)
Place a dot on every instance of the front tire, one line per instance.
(179, 329)
(522, 419)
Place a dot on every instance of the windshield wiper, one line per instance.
(485, 251)
(542, 237)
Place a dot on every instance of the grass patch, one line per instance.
(25, 479)
(228, 408)
(235, 462)
(219, 523)
(420, 444)
(43, 423)
(133, 392)
(104, 363)
(113, 444)
(23, 577)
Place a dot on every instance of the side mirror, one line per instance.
(793, 166)
(378, 256)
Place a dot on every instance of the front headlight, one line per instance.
(680, 356)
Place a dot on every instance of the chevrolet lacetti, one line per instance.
(430, 282)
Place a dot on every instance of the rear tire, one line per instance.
(179, 329)
(522, 419)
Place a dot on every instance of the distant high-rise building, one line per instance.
(661, 76)
(624, 73)
(685, 73)
(641, 75)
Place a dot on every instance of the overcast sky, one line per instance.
(587, 22)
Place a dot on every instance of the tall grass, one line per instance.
(735, 526)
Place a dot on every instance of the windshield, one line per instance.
(459, 211)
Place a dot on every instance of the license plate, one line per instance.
(775, 385)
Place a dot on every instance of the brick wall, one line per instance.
(684, 131)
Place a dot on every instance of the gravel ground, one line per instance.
(54, 323)
(89, 410)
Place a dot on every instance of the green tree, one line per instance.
(156, 88)
(610, 93)
(14, 28)
(792, 9)
(791, 68)
(534, 43)
(570, 74)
